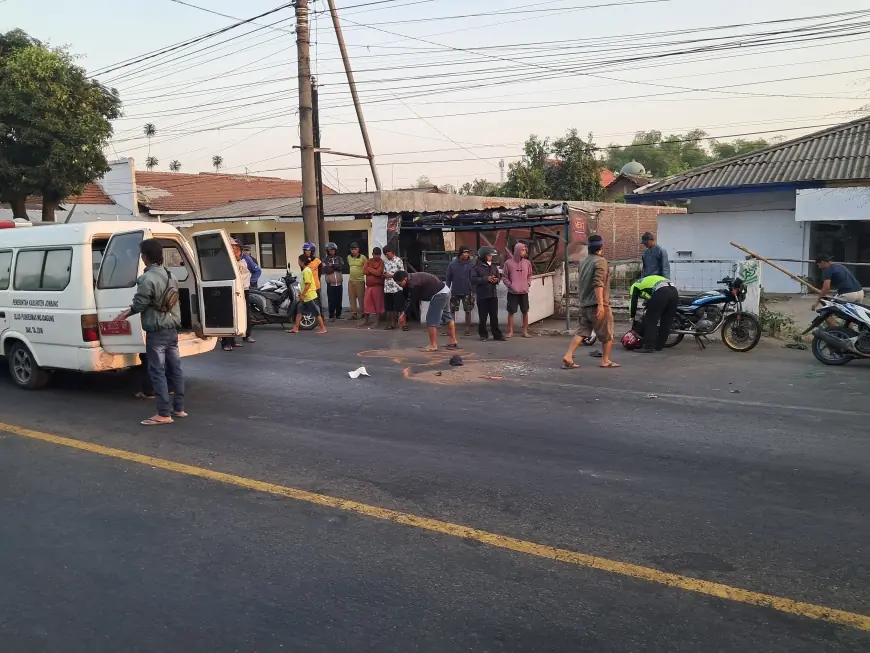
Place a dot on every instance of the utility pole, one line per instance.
(352, 84)
(318, 170)
(306, 127)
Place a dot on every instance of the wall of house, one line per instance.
(622, 225)
(120, 184)
(763, 222)
(294, 235)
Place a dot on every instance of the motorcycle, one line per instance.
(843, 343)
(277, 302)
(702, 315)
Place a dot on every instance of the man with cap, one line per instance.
(333, 269)
(228, 344)
(253, 266)
(655, 259)
(459, 282)
(356, 282)
(595, 313)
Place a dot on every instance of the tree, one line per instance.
(423, 182)
(526, 177)
(573, 172)
(450, 189)
(478, 187)
(737, 147)
(54, 124)
(151, 163)
(663, 156)
(175, 165)
(149, 131)
(218, 162)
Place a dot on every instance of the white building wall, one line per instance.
(762, 222)
(120, 184)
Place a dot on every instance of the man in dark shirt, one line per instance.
(655, 259)
(425, 287)
(836, 276)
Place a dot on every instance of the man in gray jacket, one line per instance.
(156, 300)
(655, 259)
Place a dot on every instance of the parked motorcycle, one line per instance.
(849, 340)
(277, 302)
(702, 315)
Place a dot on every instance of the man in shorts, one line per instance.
(309, 304)
(425, 287)
(595, 313)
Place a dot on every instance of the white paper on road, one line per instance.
(358, 372)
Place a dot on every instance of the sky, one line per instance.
(451, 87)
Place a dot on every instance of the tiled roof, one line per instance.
(92, 194)
(840, 153)
(175, 191)
(607, 177)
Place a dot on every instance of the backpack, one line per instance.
(169, 297)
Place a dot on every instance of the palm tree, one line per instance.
(151, 163)
(149, 130)
(218, 162)
(175, 165)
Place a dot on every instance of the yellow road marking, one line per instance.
(718, 590)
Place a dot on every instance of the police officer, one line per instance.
(661, 307)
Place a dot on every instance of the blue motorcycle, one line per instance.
(702, 315)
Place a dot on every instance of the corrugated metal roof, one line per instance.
(840, 153)
(285, 207)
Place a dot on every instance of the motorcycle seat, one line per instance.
(272, 296)
(686, 300)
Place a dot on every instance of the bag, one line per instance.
(169, 298)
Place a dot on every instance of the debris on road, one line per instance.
(358, 372)
(456, 360)
(652, 396)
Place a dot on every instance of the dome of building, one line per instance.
(633, 168)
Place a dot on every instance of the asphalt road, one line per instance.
(748, 470)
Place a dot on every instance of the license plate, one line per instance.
(115, 328)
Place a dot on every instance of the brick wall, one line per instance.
(622, 225)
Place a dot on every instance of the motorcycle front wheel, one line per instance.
(741, 332)
(826, 354)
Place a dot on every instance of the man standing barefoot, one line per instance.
(595, 310)
(427, 287)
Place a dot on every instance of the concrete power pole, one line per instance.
(352, 84)
(318, 170)
(306, 128)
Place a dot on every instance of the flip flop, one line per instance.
(453, 346)
(142, 395)
(180, 414)
(610, 364)
(406, 328)
(572, 366)
(527, 335)
(227, 348)
(595, 354)
(154, 422)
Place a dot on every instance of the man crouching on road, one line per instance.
(156, 300)
(595, 310)
(426, 287)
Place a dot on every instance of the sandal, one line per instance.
(227, 347)
(569, 366)
(180, 414)
(455, 345)
(610, 364)
(406, 328)
(142, 395)
(155, 422)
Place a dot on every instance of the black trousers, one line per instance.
(659, 317)
(334, 296)
(487, 309)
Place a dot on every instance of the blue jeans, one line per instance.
(164, 368)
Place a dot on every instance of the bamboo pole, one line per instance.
(777, 267)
